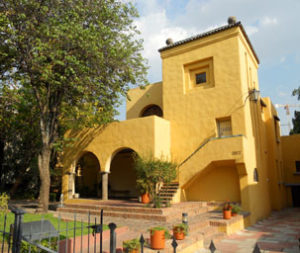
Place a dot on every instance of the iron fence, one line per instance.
(42, 236)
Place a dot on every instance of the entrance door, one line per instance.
(296, 196)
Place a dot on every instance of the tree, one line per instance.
(75, 57)
(296, 123)
(19, 141)
(296, 119)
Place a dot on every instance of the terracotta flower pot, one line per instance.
(131, 251)
(145, 198)
(226, 214)
(233, 214)
(157, 239)
(178, 234)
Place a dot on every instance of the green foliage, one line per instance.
(236, 209)
(131, 244)
(227, 206)
(27, 247)
(181, 228)
(68, 62)
(152, 171)
(167, 233)
(296, 123)
(4, 203)
(296, 119)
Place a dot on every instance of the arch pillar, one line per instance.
(104, 175)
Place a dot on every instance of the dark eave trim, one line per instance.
(206, 34)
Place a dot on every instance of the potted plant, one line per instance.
(151, 172)
(144, 188)
(180, 231)
(131, 246)
(236, 209)
(158, 236)
(227, 211)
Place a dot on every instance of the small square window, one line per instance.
(297, 166)
(201, 78)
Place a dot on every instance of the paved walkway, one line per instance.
(278, 233)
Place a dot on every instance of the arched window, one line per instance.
(255, 175)
(152, 110)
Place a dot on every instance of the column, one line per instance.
(104, 185)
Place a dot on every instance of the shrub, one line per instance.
(4, 203)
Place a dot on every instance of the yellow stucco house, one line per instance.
(206, 115)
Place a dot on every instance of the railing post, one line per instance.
(17, 233)
(174, 244)
(113, 241)
(212, 247)
(256, 249)
(142, 241)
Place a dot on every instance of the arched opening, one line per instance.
(152, 110)
(87, 176)
(122, 176)
(215, 183)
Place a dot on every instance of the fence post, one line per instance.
(113, 241)
(17, 233)
(256, 249)
(142, 241)
(212, 247)
(174, 244)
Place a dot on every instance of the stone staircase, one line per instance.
(203, 218)
(167, 192)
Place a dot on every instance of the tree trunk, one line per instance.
(44, 169)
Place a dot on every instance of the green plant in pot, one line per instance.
(236, 209)
(180, 231)
(151, 172)
(144, 188)
(158, 236)
(131, 246)
(227, 211)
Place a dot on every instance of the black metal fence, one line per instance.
(42, 236)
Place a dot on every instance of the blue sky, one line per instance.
(272, 26)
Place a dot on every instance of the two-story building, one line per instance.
(206, 115)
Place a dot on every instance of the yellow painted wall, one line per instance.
(141, 135)
(215, 184)
(291, 153)
(141, 98)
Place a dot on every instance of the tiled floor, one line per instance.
(278, 233)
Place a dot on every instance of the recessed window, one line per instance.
(199, 75)
(201, 78)
(224, 127)
(255, 175)
(297, 166)
(152, 110)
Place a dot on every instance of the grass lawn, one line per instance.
(57, 223)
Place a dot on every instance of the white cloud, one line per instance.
(269, 21)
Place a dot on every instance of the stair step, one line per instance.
(113, 208)
(80, 213)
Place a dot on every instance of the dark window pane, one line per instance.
(201, 78)
(152, 110)
(297, 166)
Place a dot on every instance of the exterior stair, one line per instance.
(167, 192)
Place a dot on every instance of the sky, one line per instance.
(272, 26)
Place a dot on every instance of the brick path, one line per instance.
(278, 233)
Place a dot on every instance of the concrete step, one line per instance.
(68, 213)
(144, 209)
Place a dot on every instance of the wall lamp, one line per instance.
(254, 95)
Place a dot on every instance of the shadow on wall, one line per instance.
(152, 96)
(80, 139)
